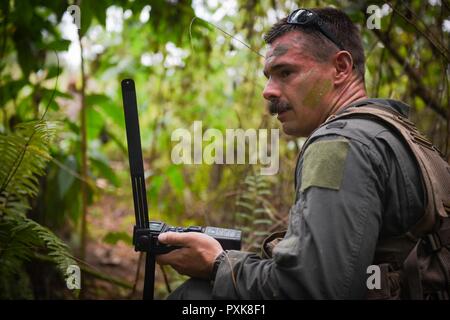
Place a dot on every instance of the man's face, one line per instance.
(298, 87)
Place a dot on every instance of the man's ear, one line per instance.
(343, 65)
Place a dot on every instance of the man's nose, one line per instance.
(271, 91)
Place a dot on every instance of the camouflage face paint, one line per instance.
(315, 94)
(280, 50)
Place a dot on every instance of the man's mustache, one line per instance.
(278, 106)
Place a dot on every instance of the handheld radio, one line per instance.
(145, 232)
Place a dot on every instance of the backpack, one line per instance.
(415, 265)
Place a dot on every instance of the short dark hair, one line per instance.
(338, 24)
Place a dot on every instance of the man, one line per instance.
(356, 182)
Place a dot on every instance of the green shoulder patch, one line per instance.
(323, 164)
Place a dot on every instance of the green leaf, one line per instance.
(248, 196)
(23, 13)
(53, 72)
(245, 205)
(26, 52)
(102, 166)
(116, 236)
(58, 45)
(99, 10)
(260, 210)
(24, 155)
(176, 178)
(86, 16)
(262, 221)
(108, 108)
(94, 122)
(243, 215)
(264, 192)
(260, 233)
(10, 90)
(155, 185)
(21, 237)
(65, 178)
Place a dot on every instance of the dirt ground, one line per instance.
(118, 261)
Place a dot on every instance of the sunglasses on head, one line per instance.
(305, 17)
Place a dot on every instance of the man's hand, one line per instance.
(196, 258)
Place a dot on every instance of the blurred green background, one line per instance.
(65, 192)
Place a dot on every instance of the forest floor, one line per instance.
(119, 260)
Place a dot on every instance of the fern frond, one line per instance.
(21, 237)
(253, 214)
(24, 155)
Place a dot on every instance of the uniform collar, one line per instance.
(395, 105)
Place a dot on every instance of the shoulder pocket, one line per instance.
(324, 163)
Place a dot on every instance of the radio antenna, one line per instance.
(138, 180)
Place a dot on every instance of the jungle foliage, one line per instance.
(62, 131)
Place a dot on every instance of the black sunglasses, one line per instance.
(305, 17)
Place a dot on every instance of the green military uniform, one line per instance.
(355, 182)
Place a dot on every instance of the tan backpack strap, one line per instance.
(435, 171)
(412, 274)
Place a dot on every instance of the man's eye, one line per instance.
(285, 73)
